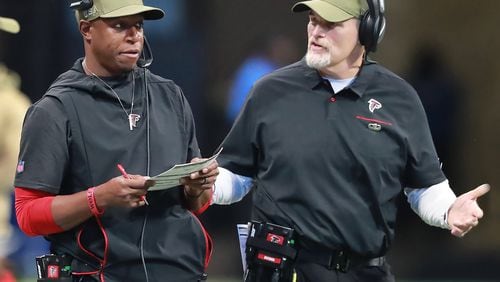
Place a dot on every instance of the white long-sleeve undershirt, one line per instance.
(230, 187)
(431, 203)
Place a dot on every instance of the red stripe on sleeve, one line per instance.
(34, 212)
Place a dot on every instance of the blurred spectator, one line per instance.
(276, 51)
(440, 94)
(12, 109)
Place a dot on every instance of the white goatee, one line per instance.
(318, 61)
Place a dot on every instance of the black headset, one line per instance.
(146, 57)
(372, 25)
(82, 5)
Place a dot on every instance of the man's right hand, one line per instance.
(122, 192)
(70, 210)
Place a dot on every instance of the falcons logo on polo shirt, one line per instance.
(374, 105)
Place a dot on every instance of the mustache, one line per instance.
(320, 42)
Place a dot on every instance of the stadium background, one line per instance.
(201, 43)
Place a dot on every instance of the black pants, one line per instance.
(85, 278)
(311, 272)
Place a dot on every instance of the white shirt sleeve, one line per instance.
(432, 203)
(230, 187)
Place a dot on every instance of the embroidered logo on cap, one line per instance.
(90, 12)
(374, 105)
(20, 167)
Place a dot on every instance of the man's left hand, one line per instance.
(464, 213)
(198, 182)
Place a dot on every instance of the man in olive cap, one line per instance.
(329, 143)
(108, 109)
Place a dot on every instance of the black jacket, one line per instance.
(74, 137)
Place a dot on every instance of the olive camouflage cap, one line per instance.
(334, 10)
(119, 8)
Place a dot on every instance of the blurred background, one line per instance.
(215, 49)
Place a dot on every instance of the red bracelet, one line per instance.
(92, 203)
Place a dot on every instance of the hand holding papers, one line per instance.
(172, 176)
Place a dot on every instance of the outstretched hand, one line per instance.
(464, 213)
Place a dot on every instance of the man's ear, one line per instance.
(84, 27)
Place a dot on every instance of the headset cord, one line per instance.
(142, 246)
(365, 58)
(147, 173)
(103, 261)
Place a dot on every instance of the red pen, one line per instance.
(125, 174)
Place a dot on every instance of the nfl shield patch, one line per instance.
(20, 167)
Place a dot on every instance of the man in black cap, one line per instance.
(108, 109)
(329, 143)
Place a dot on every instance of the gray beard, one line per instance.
(316, 61)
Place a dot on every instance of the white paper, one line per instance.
(242, 236)
(171, 177)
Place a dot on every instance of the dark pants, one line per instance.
(85, 278)
(311, 272)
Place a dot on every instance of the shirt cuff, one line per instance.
(432, 203)
(230, 187)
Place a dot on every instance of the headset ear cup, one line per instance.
(366, 31)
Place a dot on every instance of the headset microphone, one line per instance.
(146, 55)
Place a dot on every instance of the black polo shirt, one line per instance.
(332, 165)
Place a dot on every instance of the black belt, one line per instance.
(338, 260)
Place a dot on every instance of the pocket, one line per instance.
(380, 139)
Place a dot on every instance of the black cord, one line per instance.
(142, 246)
(147, 123)
(147, 173)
